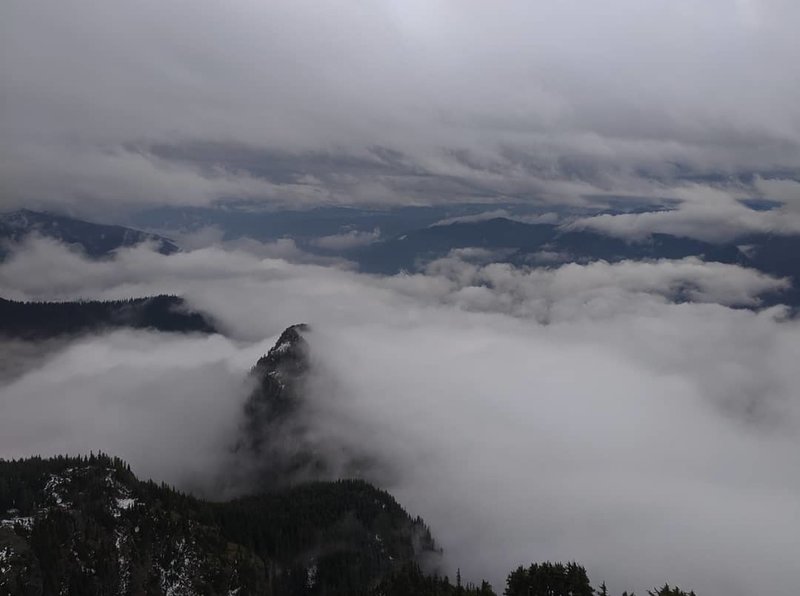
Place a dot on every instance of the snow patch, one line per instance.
(126, 503)
(25, 522)
(311, 575)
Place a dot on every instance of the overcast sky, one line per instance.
(108, 105)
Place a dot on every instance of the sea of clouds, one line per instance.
(631, 416)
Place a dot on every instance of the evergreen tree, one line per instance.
(549, 579)
(666, 590)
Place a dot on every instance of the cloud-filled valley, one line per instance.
(548, 253)
(574, 413)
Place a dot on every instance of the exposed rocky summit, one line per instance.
(278, 378)
(274, 448)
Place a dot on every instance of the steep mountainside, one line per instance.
(87, 526)
(278, 377)
(96, 240)
(74, 526)
(44, 320)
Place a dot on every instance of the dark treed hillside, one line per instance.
(570, 579)
(84, 526)
(412, 580)
(43, 320)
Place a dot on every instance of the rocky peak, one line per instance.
(279, 440)
(269, 421)
(288, 357)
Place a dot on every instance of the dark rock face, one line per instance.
(283, 439)
(274, 449)
(278, 377)
(289, 354)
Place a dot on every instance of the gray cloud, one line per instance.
(169, 403)
(708, 214)
(298, 103)
(347, 240)
(571, 290)
(650, 440)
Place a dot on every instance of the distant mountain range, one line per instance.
(549, 245)
(411, 237)
(302, 226)
(249, 221)
(96, 240)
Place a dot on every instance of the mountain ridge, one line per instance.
(46, 320)
(94, 239)
(87, 525)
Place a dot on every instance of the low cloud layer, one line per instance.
(707, 214)
(576, 413)
(168, 403)
(347, 240)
